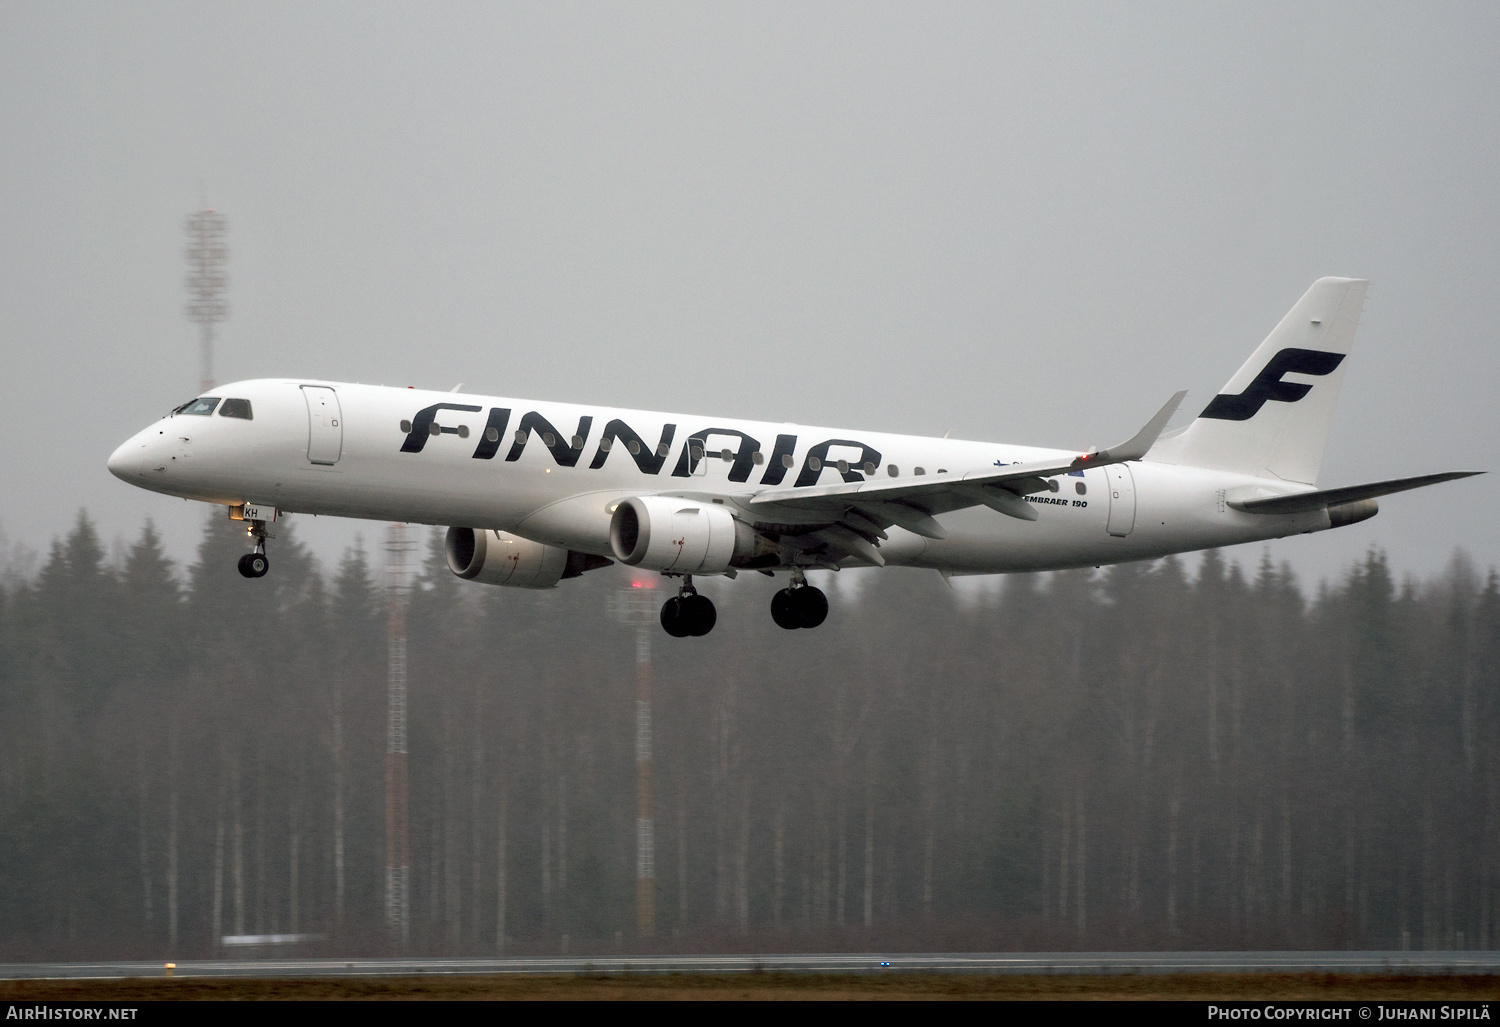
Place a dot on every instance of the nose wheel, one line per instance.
(255, 563)
(800, 606)
(687, 613)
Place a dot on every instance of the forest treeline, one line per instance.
(1132, 758)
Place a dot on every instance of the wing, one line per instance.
(859, 512)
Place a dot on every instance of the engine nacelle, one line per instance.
(683, 536)
(500, 558)
(1352, 512)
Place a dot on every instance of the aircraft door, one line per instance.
(325, 425)
(1121, 499)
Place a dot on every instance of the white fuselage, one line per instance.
(369, 454)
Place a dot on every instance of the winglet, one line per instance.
(1140, 444)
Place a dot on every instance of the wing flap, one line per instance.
(918, 522)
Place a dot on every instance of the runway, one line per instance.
(1100, 963)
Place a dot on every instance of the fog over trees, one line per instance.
(1126, 758)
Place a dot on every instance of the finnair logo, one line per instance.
(1269, 386)
(854, 460)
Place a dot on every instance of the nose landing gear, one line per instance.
(255, 563)
(799, 606)
(688, 613)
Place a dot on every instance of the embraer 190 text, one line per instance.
(539, 492)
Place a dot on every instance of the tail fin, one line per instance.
(1272, 418)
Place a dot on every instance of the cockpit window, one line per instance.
(236, 408)
(203, 406)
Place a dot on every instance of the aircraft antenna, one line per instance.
(397, 851)
(207, 282)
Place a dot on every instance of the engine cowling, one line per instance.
(683, 536)
(500, 558)
(1342, 514)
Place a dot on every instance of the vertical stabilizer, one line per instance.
(1272, 418)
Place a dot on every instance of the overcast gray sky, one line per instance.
(1022, 222)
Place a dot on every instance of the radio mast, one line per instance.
(397, 852)
(207, 282)
(637, 605)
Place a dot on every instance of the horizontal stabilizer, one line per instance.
(1302, 502)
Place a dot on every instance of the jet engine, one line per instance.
(499, 558)
(1340, 514)
(683, 536)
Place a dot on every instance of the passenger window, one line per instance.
(237, 408)
(203, 406)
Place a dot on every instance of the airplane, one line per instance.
(536, 493)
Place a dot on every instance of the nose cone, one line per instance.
(128, 463)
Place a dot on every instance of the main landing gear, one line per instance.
(800, 606)
(688, 613)
(255, 563)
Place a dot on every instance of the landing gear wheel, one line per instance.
(784, 610)
(804, 607)
(673, 620)
(700, 614)
(689, 614)
(254, 565)
(812, 605)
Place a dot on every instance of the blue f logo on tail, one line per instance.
(1268, 384)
